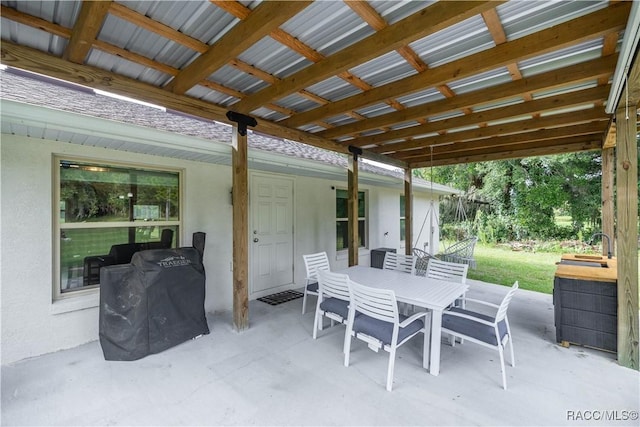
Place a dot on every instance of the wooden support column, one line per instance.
(608, 168)
(627, 224)
(240, 195)
(352, 204)
(408, 211)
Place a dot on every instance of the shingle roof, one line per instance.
(58, 95)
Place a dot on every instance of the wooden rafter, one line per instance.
(42, 63)
(494, 24)
(517, 110)
(85, 30)
(441, 15)
(139, 20)
(242, 12)
(262, 20)
(545, 81)
(378, 23)
(419, 155)
(544, 148)
(587, 27)
(392, 135)
(564, 122)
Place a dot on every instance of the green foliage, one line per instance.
(518, 199)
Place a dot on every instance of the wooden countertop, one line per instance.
(581, 272)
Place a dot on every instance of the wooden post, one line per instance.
(608, 163)
(627, 222)
(408, 211)
(352, 204)
(240, 195)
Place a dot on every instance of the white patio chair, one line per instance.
(313, 263)
(399, 262)
(492, 332)
(374, 319)
(450, 271)
(333, 299)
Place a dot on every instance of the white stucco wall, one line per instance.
(33, 324)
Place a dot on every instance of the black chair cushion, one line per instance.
(382, 330)
(313, 287)
(479, 331)
(337, 306)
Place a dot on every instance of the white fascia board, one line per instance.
(627, 53)
(65, 121)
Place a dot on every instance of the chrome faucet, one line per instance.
(608, 242)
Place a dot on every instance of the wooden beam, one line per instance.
(378, 23)
(519, 144)
(570, 145)
(352, 205)
(34, 22)
(482, 145)
(242, 12)
(596, 24)
(134, 57)
(577, 73)
(609, 140)
(39, 62)
(85, 30)
(142, 21)
(544, 104)
(262, 20)
(64, 32)
(234, 8)
(408, 211)
(368, 14)
(607, 184)
(240, 233)
(381, 158)
(627, 235)
(427, 21)
(494, 25)
(566, 123)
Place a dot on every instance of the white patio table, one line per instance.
(434, 295)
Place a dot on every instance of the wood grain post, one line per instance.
(608, 163)
(408, 211)
(240, 194)
(352, 204)
(627, 222)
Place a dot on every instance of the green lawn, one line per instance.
(533, 271)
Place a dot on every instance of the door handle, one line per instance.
(255, 239)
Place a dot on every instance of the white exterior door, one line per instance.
(271, 234)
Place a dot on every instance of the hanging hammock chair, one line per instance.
(460, 252)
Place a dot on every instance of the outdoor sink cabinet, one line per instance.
(585, 299)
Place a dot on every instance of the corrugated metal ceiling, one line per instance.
(155, 40)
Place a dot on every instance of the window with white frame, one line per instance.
(100, 205)
(402, 218)
(342, 220)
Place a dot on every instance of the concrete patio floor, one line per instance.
(276, 374)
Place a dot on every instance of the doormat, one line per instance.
(280, 297)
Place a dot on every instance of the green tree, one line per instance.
(524, 194)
